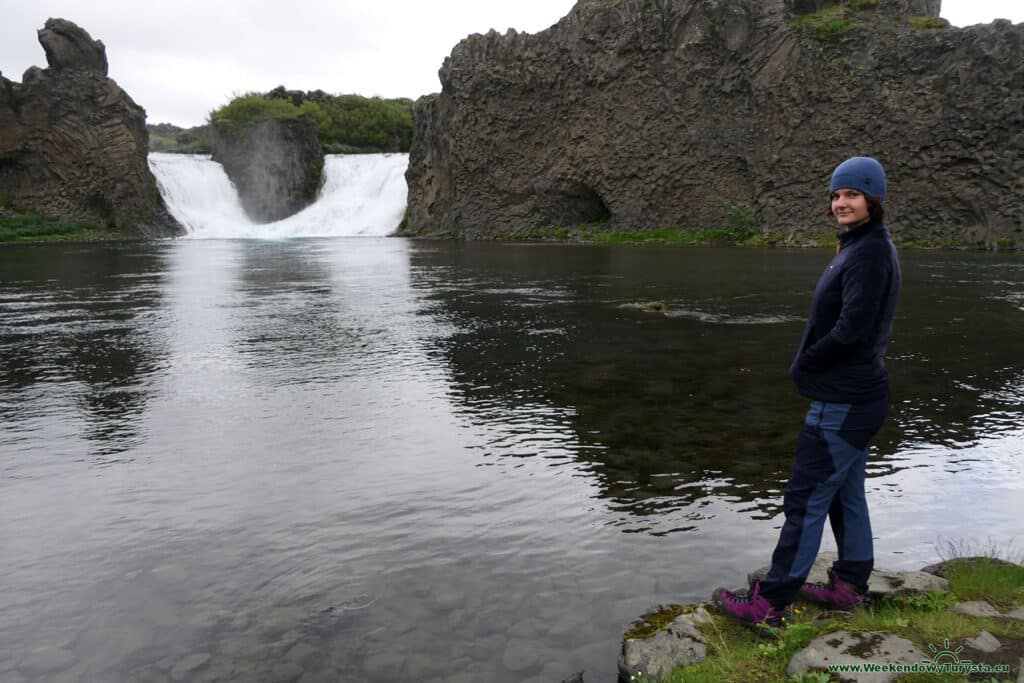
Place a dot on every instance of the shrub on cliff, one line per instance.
(362, 122)
(345, 123)
(250, 108)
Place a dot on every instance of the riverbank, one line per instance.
(977, 620)
(21, 227)
(712, 237)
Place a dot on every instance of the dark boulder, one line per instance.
(73, 145)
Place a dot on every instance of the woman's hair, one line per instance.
(876, 211)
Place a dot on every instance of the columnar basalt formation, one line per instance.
(73, 144)
(645, 114)
(276, 164)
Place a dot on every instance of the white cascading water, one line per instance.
(363, 194)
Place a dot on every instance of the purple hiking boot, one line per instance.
(749, 609)
(836, 594)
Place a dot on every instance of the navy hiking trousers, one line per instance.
(827, 480)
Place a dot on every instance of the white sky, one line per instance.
(181, 60)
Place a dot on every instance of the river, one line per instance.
(373, 459)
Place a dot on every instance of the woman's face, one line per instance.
(850, 207)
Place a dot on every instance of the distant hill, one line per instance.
(166, 137)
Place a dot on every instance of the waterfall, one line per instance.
(363, 194)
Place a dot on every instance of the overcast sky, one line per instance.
(180, 60)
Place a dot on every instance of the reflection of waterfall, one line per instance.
(362, 195)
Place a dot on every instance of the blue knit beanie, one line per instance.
(859, 173)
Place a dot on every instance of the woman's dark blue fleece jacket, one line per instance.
(840, 356)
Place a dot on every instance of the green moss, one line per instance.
(553, 233)
(595, 234)
(35, 228)
(828, 24)
(649, 624)
(770, 240)
(316, 178)
(928, 23)
(931, 243)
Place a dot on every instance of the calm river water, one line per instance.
(382, 460)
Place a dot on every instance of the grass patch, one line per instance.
(738, 227)
(596, 233)
(35, 228)
(927, 23)
(828, 24)
(985, 578)
(983, 571)
(937, 243)
(554, 233)
(662, 236)
(737, 655)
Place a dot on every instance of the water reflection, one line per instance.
(955, 348)
(77, 328)
(379, 460)
(673, 412)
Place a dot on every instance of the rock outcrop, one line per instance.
(276, 164)
(843, 648)
(658, 648)
(73, 144)
(672, 637)
(884, 583)
(646, 114)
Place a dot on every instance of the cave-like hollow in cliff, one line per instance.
(579, 204)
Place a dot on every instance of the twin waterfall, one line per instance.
(363, 194)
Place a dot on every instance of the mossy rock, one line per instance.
(928, 23)
(658, 619)
(942, 568)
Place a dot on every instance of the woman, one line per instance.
(839, 367)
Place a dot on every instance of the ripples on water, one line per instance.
(381, 460)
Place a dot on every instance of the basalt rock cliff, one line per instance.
(276, 164)
(645, 114)
(73, 144)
